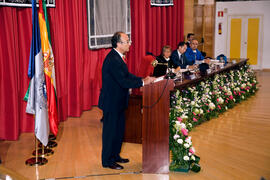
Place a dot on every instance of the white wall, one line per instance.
(244, 8)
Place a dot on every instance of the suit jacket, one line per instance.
(116, 81)
(177, 62)
(161, 70)
(191, 56)
(188, 44)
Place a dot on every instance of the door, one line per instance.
(244, 39)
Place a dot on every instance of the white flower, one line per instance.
(201, 111)
(177, 125)
(193, 157)
(193, 149)
(189, 124)
(212, 106)
(180, 141)
(237, 89)
(182, 125)
(188, 140)
(186, 158)
(184, 116)
(220, 100)
(192, 103)
(186, 145)
(176, 136)
(196, 111)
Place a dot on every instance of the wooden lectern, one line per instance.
(155, 127)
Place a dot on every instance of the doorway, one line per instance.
(244, 38)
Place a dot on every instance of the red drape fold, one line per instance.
(78, 69)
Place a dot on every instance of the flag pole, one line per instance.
(43, 151)
(38, 161)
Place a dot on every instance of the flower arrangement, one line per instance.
(202, 102)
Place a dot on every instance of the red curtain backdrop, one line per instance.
(78, 69)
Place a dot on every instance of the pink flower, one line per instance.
(184, 131)
(226, 101)
(219, 107)
(217, 100)
(206, 104)
(208, 111)
(194, 113)
(191, 151)
(231, 97)
(179, 119)
(226, 94)
(194, 119)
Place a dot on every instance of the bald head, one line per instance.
(194, 44)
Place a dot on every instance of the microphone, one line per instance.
(155, 63)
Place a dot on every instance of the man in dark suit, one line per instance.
(190, 37)
(113, 99)
(178, 57)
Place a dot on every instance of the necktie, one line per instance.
(124, 59)
(181, 59)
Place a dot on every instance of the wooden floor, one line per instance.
(234, 146)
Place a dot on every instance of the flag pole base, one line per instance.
(52, 137)
(36, 161)
(47, 152)
(51, 144)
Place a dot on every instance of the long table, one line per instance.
(147, 118)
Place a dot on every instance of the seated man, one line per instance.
(178, 57)
(190, 37)
(164, 60)
(193, 54)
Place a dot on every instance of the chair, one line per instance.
(145, 69)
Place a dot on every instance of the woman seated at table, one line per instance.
(164, 62)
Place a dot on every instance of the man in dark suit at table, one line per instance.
(190, 37)
(178, 57)
(113, 99)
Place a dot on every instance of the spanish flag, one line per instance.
(49, 69)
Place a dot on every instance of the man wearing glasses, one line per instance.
(113, 99)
